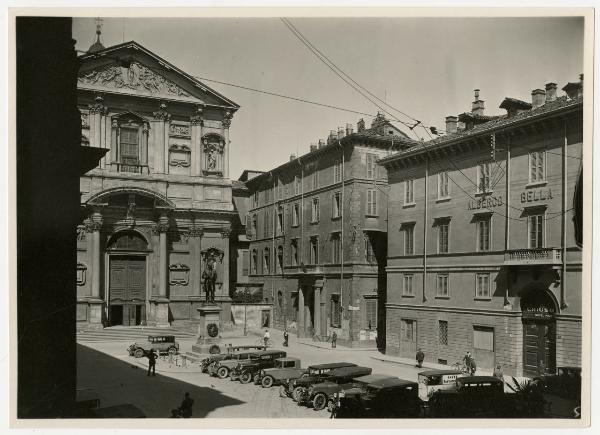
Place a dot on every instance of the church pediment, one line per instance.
(136, 77)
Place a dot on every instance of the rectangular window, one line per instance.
(483, 177)
(314, 217)
(255, 197)
(335, 205)
(280, 220)
(294, 252)
(482, 290)
(371, 166)
(266, 262)
(443, 186)
(369, 252)
(407, 285)
(314, 250)
(371, 310)
(443, 230)
(129, 146)
(443, 332)
(371, 202)
(245, 262)
(409, 197)
(483, 234)
(337, 171)
(315, 179)
(483, 338)
(336, 308)
(536, 231)
(296, 185)
(537, 166)
(255, 225)
(336, 248)
(442, 286)
(295, 214)
(266, 224)
(409, 237)
(254, 262)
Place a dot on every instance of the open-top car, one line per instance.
(323, 393)
(224, 367)
(285, 369)
(314, 374)
(379, 396)
(247, 370)
(158, 343)
(230, 351)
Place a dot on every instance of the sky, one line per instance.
(425, 67)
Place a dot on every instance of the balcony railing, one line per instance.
(134, 169)
(538, 256)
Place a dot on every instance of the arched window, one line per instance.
(127, 241)
(266, 261)
(254, 261)
(280, 259)
(280, 300)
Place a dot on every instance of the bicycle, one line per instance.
(461, 367)
(261, 342)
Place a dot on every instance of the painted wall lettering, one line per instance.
(486, 202)
(536, 195)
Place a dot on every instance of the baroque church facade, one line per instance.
(158, 208)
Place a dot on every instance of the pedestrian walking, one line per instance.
(286, 336)
(333, 340)
(498, 372)
(151, 362)
(420, 356)
(468, 360)
(473, 366)
(186, 406)
(266, 337)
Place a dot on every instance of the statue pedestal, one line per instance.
(210, 314)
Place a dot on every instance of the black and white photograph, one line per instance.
(291, 217)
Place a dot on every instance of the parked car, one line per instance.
(223, 368)
(160, 343)
(285, 369)
(230, 351)
(431, 381)
(314, 373)
(566, 382)
(473, 397)
(246, 371)
(379, 396)
(323, 393)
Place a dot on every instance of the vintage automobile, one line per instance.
(431, 381)
(314, 374)
(473, 397)
(159, 343)
(379, 396)
(285, 369)
(323, 393)
(230, 351)
(223, 368)
(247, 370)
(562, 391)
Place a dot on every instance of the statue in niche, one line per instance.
(212, 160)
(209, 276)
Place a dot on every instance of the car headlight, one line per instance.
(262, 373)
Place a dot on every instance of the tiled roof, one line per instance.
(238, 185)
(560, 104)
(514, 102)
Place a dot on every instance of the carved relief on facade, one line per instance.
(85, 119)
(179, 130)
(213, 147)
(136, 77)
(81, 230)
(179, 156)
(179, 274)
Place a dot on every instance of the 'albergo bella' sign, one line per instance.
(536, 195)
(485, 202)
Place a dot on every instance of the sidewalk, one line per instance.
(327, 345)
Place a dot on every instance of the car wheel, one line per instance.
(245, 378)
(138, 353)
(297, 393)
(319, 401)
(222, 372)
(255, 378)
(267, 382)
(172, 350)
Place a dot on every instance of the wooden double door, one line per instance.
(127, 290)
(539, 346)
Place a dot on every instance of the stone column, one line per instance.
(161, 131)
(300, 326)
(226, 124)
(317, 310)
(95, 117)
(196, 142)
(162, 301)
(95, 307)
(225, 233)
(114, 144)
(144, 151)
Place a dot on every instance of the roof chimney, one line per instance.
(360, 125)
(313, 147)
(550, 91)
(478, 105)
(292, 157)
(340, 133)
(332, 136)
(451, 124)
(321, 143)
(349, 129)
(538, 97)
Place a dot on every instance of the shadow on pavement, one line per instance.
(117, 382)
